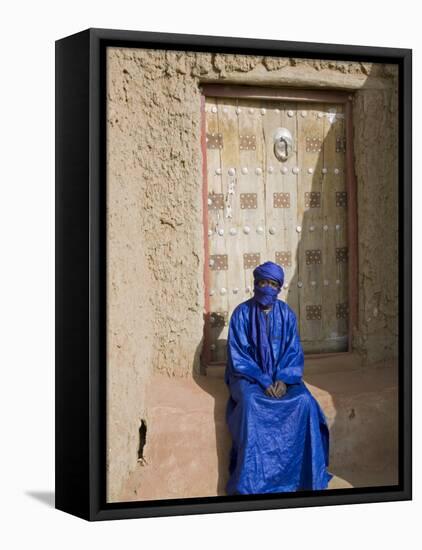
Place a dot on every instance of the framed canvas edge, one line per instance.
(95, 507)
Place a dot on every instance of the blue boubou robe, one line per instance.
(278, 445)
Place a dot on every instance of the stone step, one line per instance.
(187, 445)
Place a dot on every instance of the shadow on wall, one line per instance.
(363, 419)
(216, 387)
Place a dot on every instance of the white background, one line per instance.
(27, 516)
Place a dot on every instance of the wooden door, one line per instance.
(292, 212)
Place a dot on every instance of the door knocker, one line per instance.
(283, 144)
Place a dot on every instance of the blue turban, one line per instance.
(267, 296)
(269, 270)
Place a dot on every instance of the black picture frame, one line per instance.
(80, 420)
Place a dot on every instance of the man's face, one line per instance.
(268, 282)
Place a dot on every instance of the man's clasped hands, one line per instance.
(277, 390)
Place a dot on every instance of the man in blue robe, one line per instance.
(280, 437)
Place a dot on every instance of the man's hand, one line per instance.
(277, 390)
(280, 388)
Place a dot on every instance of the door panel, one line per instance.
(292, 212)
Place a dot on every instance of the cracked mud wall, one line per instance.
(376, 167)
(155, 248)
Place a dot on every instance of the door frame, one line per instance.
(326, 95)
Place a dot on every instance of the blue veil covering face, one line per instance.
(278, 444)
